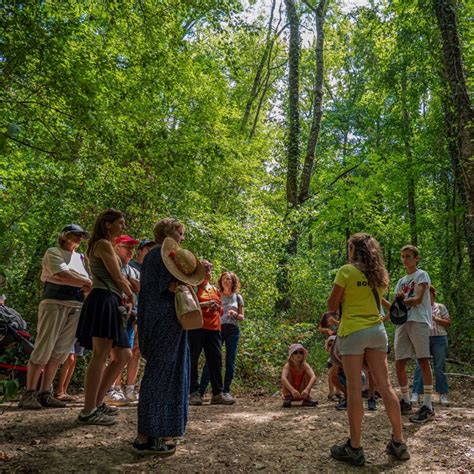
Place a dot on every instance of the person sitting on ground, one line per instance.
(124, 247)
(208, 338)
(142, 251)
(329, 324)
(336, 389)
(438, 349)
(297, 378)
(66, 372)
(65, 283)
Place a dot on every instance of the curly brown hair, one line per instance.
(235, 281)
(367, 257)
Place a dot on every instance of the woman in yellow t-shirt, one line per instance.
(359, 287)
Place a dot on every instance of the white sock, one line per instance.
(130, 388)
(405, 394)
(428, 391)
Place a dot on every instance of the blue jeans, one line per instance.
(438, 349)
(230, 335)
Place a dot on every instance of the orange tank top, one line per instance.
(296, 377)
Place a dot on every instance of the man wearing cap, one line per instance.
(125, 247)
(65, 282)
(143, 248)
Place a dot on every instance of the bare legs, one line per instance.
(352, 365)
(377, 362)
(65, 374)
(120, 356)
(133, 365)
(98, 377)
(34, 374)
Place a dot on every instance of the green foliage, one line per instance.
(102, 105)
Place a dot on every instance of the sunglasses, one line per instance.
(299, 352)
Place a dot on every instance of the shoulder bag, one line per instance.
(188, 309)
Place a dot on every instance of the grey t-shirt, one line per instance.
(408, 285)
(231, 302)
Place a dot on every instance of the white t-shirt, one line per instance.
(57, 260)
(408, 285)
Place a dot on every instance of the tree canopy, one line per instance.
(187, 108)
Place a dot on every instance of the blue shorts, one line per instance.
(131, 333)
(77, 349)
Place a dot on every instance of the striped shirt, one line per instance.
(439, 311)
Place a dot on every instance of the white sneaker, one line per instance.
(131, 395)
(414, 398)
(443, 399)
(115, 397)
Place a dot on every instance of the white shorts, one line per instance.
(56, 332)
(412, 340)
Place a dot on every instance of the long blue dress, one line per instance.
(163, 400)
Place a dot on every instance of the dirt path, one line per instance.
(253, 435)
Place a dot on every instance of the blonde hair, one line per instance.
(368, 258)
(165, 227)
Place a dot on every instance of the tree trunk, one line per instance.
(293, 143)
(407, 135)
(258, 75)
(463, 123)
(317, 105)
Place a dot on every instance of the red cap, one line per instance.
(126, 239)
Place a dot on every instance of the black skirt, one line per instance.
(100, 317)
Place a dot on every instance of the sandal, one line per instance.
(65, 397)
(154, 446)
(333, 398)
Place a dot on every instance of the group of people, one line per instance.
(123, 309)
(355, 329)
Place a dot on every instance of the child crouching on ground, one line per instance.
(297, 378)
(337, 390)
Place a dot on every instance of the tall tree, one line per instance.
(462, 127)
(297, 195)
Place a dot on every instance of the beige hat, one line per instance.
(297, 347)
(182, 263)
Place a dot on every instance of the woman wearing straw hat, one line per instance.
(163, 400)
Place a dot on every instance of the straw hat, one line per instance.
(182, 263)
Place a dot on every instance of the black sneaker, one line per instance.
(342, 405)
(154, 446)
(399, 450)
(108, 410)
(346, 453)
(309, 403)
(371, 404)
(96, 417)
(405, 407)
(287, 403)
(423, 415)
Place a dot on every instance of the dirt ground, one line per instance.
(255, 434)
